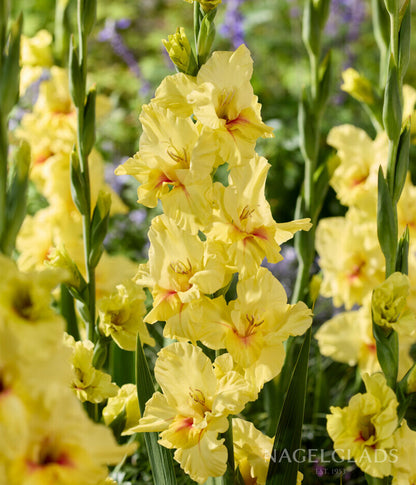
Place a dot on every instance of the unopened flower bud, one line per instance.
(357, 86)
(179, 50)
(59, 257)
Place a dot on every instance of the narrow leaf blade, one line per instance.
(160, 457)
(283, 471)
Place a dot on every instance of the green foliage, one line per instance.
(160, 457)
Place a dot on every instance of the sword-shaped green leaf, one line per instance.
(160, 457)
(283, 471)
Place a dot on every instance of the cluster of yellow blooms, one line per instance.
(353, 270)
(46, 437)
(211, 230)
(51, 132)
(353, 274)
(54, 234)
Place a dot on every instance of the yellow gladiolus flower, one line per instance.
(252, 451)
(193, 409)
(126, 400)
(181, 269)
(406, 210)
(348, 338)
(36, 54)
(110, 271)
(25, 375)
(224, 102)
(350, 258)
(13, 413)
(50, 228)
(121, 316)
(243, 220)
(172, 94)
(254, 326)
(364, 429)
(404, 469)
(51, 132)
(389, 302)
(25, 309)
(36, 50)
(63, 446)
(173, 164)
(355, 178)
(88, 383)
(41, 233)
(221, 99)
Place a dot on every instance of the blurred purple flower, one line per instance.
(344, 25)
(123, 24)
(232, 28)
(320, 470)
(137, 216)
(110, 34)
(117, 182)
(348, 14)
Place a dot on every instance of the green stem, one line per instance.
(86, 225)
(83, 159)
(301, 284)
(229, 476)
(3, 177)
(313, 62)
(384, 61)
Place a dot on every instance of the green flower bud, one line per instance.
(99, 224)
(206, 37)
(10, 69)
(315, 288)
(386, 224)
(180, 52)
(392, 108)
(402, 259)
(381, 23)
(325, 81)
(59, 258)
(307, 127)
(76, 77)
(88, 14)
(402, 163)
(17, 196)
(78, 187)
(311, 28)
(357, 86)
(404, 41)
(88, 134)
